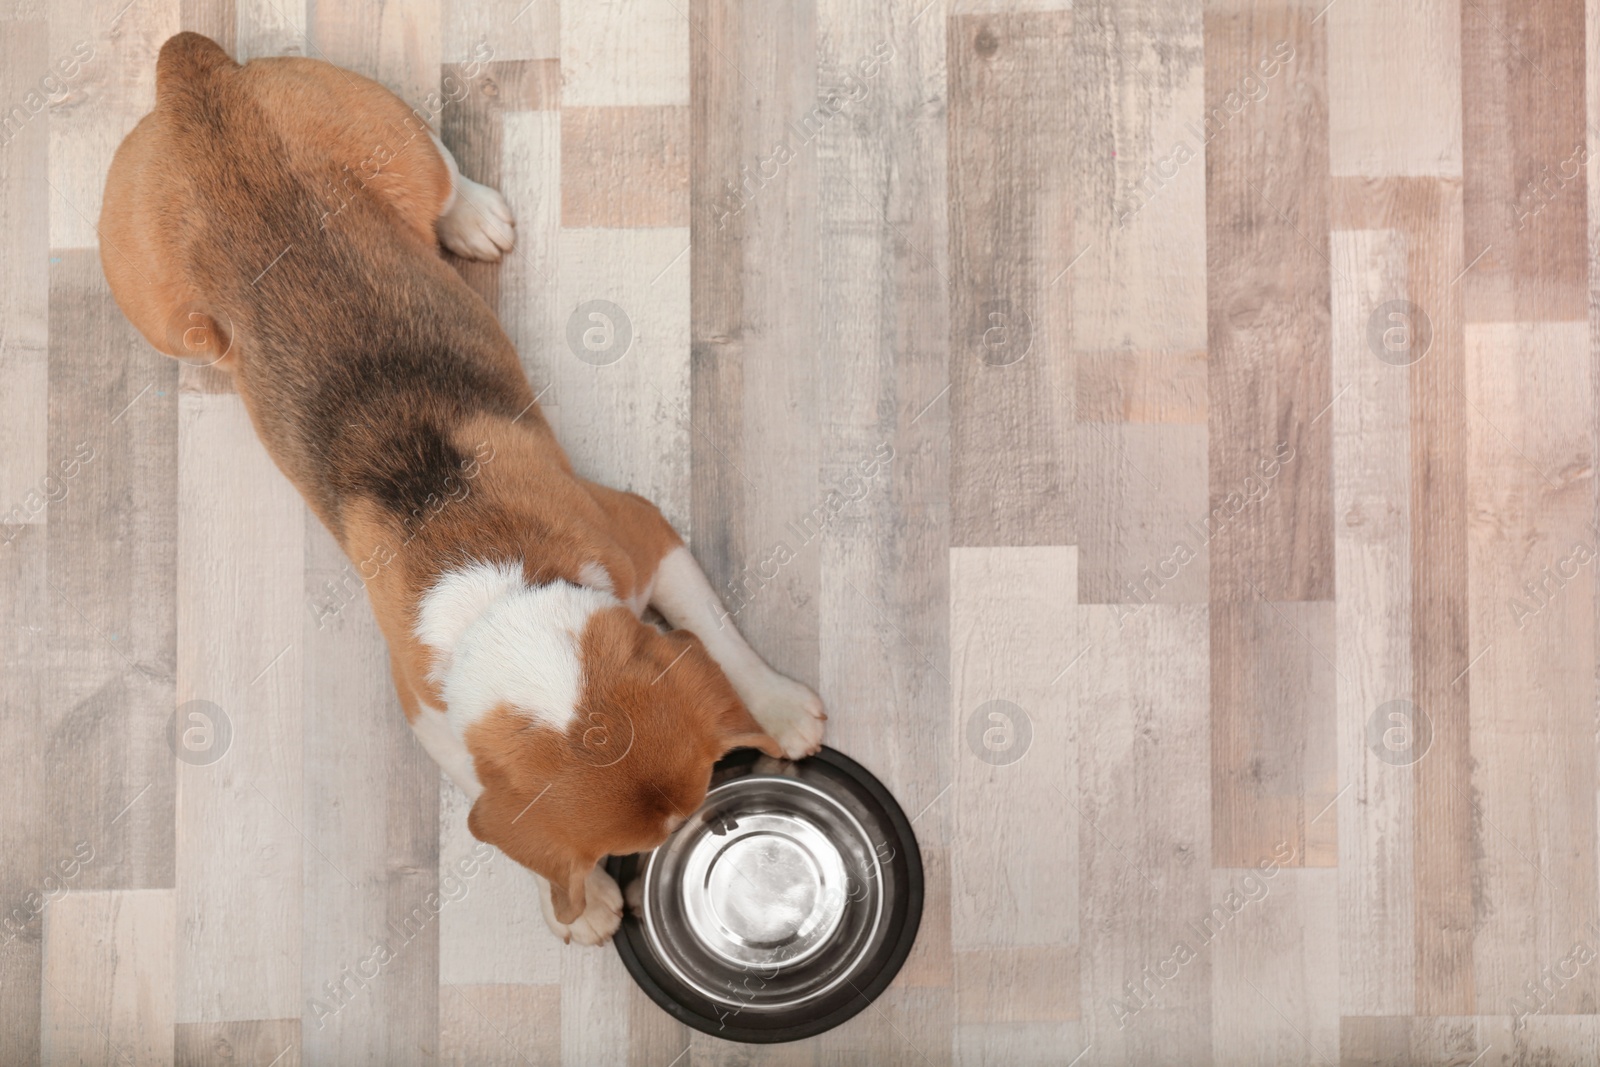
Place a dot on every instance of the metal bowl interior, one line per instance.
(782, 906)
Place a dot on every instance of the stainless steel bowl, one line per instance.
(779, 909)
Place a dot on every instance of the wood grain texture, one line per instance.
(1144, 833)
(1010, 720)
(24, 283)
(108, 978)
(1524, 160)
(268, 1042)
(1372, 631)
(1273, 765)
(242, 846)
(1191, 221)
(1267, 301)
(1011, 383)
(1274, 995)
(1530, 496)
(624, 167)
(1379, 54)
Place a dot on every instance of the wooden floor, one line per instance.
(1220, 598)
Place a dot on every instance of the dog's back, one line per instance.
(277, 218)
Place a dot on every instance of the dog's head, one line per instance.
(592, 733)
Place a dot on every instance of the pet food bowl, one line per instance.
(782, 907)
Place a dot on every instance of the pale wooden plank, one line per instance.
(1140, 695)
(1372, 632)
(620, 52)
(1394, 88)
(113, 90)
(594, 985)
(362, 761)
(271, 28)
(1531, 600)
(619, 362)
(1138, 178)
(397, 44)
(29, 877)
(262, 1042)
(883, 550)
(1021, 1045)
(1522, 63)
(1143, 510)
(1014, 768)
(480, 1025)
(1266, 249)
(902, 1028)
(25, 66)
(1428, 212)
(1275, 983)
(112, 537)
(1273, 762)
(530, 314)
(1428, 1041)
(241, 819)
(495, 934)
(624, 167)
(1011, 232)
(503, 29)
(108, 978)
(1133, 385)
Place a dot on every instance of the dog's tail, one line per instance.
(187, 63)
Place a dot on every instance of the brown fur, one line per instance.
(385, 389)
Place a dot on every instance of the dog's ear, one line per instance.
(505, 818)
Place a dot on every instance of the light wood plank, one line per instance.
(1011, 236)
(1144, 834)
(1531, 601)
(113, 90)
(481, 1025)
(624, 167)
(1275, 997)
(241, 819)
(1524, 160)
(1273, 764)
(1138, 187)
(1143, 525)
(265, 1042)
(1266, 248)
(621, 52)
(1378, 56)
(27, 72)
(619, 362)
(108, 978)
(1010, 723)
(1372, 632)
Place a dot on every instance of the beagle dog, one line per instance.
(510, 590)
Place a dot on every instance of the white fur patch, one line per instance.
(433, 729)
(457, 600)
(520, 648)
(595, 577)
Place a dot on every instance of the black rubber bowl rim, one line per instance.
(898, 944)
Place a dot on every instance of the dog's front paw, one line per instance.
(600, 918)
(789, 712)
(479, 223)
